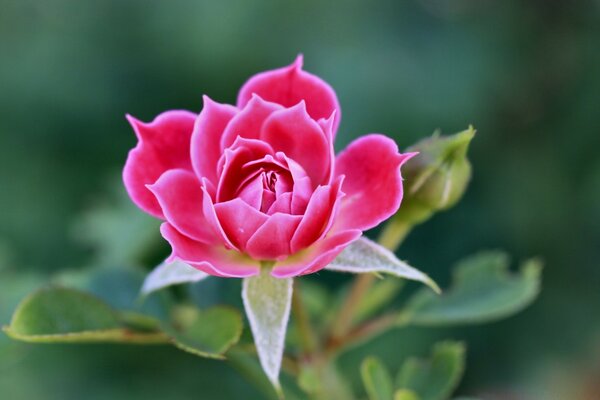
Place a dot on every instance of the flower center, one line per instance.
(269, 180)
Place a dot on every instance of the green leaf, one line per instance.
(404, 394)
(267, 301)
(66, 315)
(376, 379)
(206, 333)
(366, 256)
(483, 290)
(308, 379)
(171, 273)
(323, 381)
(436, 378)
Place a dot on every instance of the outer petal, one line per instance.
(300, 138)
(248, 122)
(327, 127)
(211, 215)
(373, 184)
(179, 194)
(214, 260)
(272, 240)
(316, 257)
(206, 138)
(163, 144)
(239, 221)
(288, 86)
(318, 218)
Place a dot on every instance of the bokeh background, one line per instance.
(525, 74)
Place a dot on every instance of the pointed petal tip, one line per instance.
(332, 116)
(206, 100)
(298, 62)
(254, 97)
(407, 156)
(300, 106)
(134, 122)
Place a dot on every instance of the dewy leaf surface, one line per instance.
(171, 273)
(366, 256)
(267, 301)
(436, 378)
(483, 289)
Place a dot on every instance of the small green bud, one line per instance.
(437, 177)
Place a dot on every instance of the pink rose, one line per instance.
(237, 185)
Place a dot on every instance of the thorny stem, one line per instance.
(391, 237)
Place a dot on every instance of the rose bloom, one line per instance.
(259, 183)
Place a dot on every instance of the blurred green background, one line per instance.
(526, 74)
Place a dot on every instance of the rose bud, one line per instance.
(437, 177)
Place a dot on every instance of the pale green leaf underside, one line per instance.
(437, 377)
(366, 256)
(377, 379)
(483, 289)
(171, 273)
(267, 301)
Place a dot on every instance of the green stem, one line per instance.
(391, 237)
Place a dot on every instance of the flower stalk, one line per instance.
(390, 237)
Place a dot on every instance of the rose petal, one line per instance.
(316, 257)
(302, 188)
(288, 86)
(252, 191)
(258, 149)
(301, 195)
(206, 138)
(179, 194)
(327, 127)
(163, 144)
(248, 122)
(281, 205)
(373, 184)
(233, 160)
(318, 216)
(214, 260)
(272, 240)
(239, 221)
(210, 213)
(300, 138)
